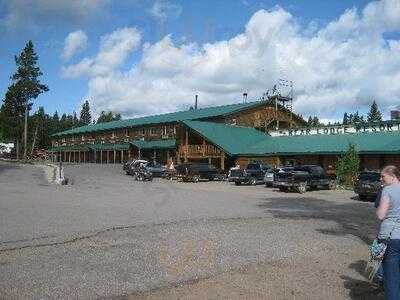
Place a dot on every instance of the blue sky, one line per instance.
(142, 57)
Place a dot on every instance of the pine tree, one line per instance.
(374, 115)
(26, 80)
(310, 121)
(316, 121)
(85, 117)
(345, 119)
(108, 117)
(347, 167)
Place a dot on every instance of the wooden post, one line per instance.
(95, 156)
(154, 154)
(204, 147)
(101, 156)
(69, 156)
(140, 154)
(79, 156)
(209, 160)
(122, 156)
(84, 156)
(115, 154)
(108, 152)
(186, 145)
(223, 161)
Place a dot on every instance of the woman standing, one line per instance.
(389, 212)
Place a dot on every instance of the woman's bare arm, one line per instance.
(383, 207)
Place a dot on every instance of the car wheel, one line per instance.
(253, 181)
(332, 185)
(238, 183)
(302, 187)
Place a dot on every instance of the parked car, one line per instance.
(156, 169)
(196, 171)
(126, 165)
(269, 176)
(368, 185)
(252, 174)
(301, 178)
(133, 166)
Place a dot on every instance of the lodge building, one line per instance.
(226, 135)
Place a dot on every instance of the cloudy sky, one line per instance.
(140, 57)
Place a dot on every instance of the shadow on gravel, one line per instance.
(8, 166)
(351, 218)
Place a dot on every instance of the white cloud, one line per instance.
(162, 10)
(114, 49)
(339, 67)
(74, 43)
(23, 13)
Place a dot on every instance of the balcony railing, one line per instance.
(199, 150)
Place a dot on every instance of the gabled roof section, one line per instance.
(365, 143)
(234, 140)
(197, 114)
(156, 144)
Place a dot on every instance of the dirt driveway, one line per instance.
(106, 236)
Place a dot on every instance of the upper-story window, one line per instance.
(153, 130)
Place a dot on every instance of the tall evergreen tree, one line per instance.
(12, 115)
(310, 121)
(345, 119)
(108, 117)
(316, 121)
(85, 117)
(374, 115)
(26, 80)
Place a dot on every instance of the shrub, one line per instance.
(347, 167)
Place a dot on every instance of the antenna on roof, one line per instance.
(282, 95)
(244, 97)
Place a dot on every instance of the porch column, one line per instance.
(79, 156)
(65, 156)
(209, 160)
(154, 154)
(122, 156)
(115, 154)
(223, 161)
(186, 145)
(84, 156)
(140, 154)
(101, 156)
(108, 152)
(95, 156)
(204, 147)
(69, 156)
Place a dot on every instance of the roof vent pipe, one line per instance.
(244, 97)
(195, 101)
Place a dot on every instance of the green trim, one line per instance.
(109, 146)
(155, 144)
(71, 148)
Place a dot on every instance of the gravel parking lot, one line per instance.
(107, 236)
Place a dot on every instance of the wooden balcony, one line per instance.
(196, 151)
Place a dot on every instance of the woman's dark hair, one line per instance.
(392, 170)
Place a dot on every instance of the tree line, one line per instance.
(374, 115)
(33, 131)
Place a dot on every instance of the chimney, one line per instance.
(195, 101)
(244, 97)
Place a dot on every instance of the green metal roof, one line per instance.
(69, 148)
(109, 146)
(365, 143)
(234, 140)
(156, 144)
(197, 114)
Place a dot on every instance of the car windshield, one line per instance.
(370, 176)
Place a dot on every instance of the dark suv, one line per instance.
(368, 185)
(253, 174)
(196, 171)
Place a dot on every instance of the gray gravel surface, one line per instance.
(108, 236)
